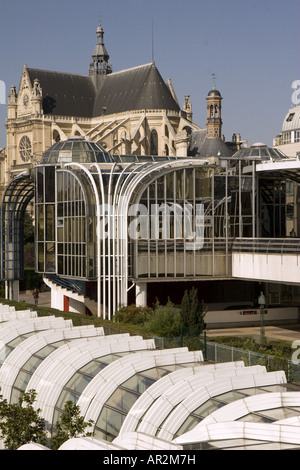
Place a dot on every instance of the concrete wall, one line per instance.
(250, 317)
(76, 306)
(266, 267)
(57, 298)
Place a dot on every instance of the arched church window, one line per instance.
(166, 131)
(25, 148)
(211, 111)
(154, 142)
(56, 136)
(216, 111)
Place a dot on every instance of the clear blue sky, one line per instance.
(251, 46)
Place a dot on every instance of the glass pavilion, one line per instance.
(106, 223)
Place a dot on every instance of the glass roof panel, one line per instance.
(258, 150)
(255, 418)
(239, 444)
(76, 149)
(264, 152)
(22, 380)
(30, 366)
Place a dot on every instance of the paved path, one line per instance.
(285, 332)
(44, 298)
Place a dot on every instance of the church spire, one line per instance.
(100, 65)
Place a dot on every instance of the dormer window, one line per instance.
(290, 117)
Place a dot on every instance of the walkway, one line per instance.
(44, 299)
(280, 332)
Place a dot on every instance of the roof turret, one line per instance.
(100, 65)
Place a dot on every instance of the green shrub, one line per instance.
(165, 320)
(20, 422)
(134, 315)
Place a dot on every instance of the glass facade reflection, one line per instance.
(112, 221)
(147, 219)
(76, 385)
(139, 219)
(116, 408)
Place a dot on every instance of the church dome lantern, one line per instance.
(76, 149)
(214, 120)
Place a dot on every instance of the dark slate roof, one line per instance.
(196, 141)
(134, 89)
(137, 88)
(202, 146)
(65, 94)
(214, 93)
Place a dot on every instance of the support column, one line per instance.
(12, 290)
(141, 294)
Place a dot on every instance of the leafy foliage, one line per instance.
(20, 423)
(28, 228)
(133, 315)
(165, 321)
(70, 425)
(192, 312)
(28, 241)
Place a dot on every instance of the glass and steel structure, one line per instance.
(144, 398)
(118, 219)
(106, 222)
(15, 200)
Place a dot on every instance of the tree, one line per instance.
(28, 228)
(70, 425)
(192, 312)
(165, 321)
(28, 241)
(20, 423)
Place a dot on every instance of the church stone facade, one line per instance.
(132, 111)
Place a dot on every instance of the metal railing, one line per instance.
(75, 286)
(216, 352)
(267, 245)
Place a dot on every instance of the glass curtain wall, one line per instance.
(155, 220)
(279, 207)
(45, 217)
(72, 226)
(16, 197)
(187, 220)
(65, 229)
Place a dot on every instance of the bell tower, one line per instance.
(214, 120)
(100, 65)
